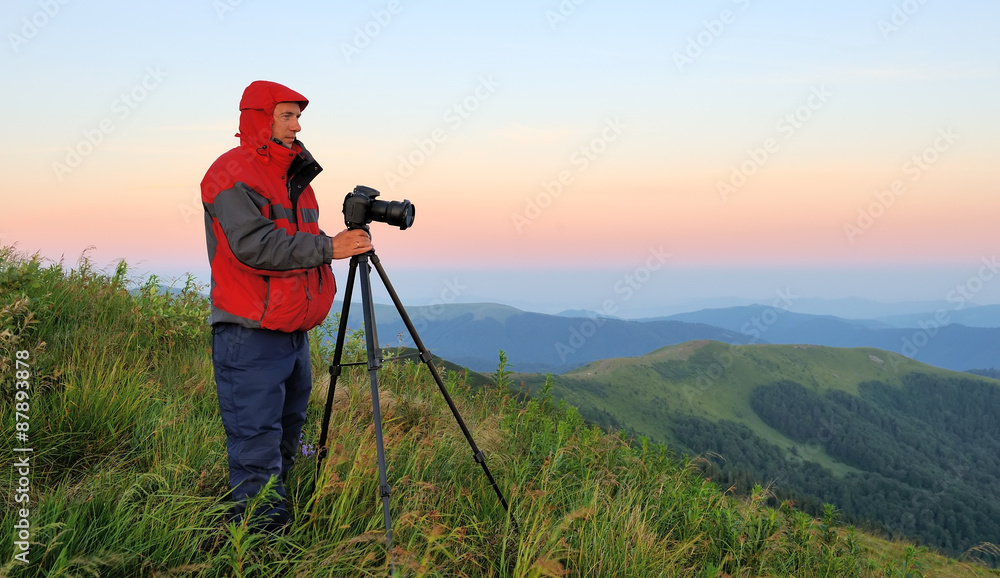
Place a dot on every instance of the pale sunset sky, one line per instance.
(553, 149)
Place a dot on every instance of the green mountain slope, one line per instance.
(910, 448)
(715, 380)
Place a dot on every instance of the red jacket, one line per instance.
(270, 261)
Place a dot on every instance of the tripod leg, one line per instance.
(374, 363)
(335, 367)
(425, 356)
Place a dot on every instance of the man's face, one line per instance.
(285, 123)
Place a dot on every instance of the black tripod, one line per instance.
(374, 363)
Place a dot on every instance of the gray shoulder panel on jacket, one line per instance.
(256, 241)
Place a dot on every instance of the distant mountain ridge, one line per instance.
(844, 307)
(473, 334)
(982, 316)
(933, 338)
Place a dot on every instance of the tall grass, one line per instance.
(129, 476)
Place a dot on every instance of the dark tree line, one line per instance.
(991, 372)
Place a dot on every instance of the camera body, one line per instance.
(362, 207)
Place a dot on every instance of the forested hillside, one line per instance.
(929, 453)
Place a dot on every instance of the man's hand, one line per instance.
(351, 242)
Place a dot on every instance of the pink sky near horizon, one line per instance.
(765, 223)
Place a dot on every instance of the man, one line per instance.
(271, 283)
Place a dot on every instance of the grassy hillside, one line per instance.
(127, 469)
(910, 448)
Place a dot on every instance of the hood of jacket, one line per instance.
(257, 110)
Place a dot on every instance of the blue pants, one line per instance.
(263, 379)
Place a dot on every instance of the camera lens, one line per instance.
(396, 213)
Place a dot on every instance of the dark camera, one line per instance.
(361, 208)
